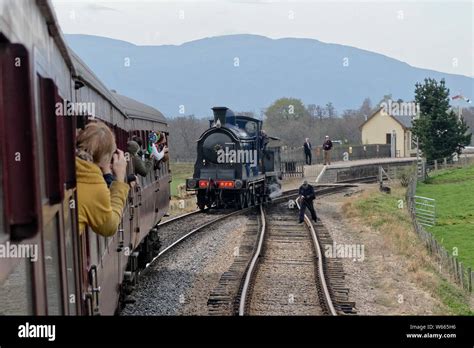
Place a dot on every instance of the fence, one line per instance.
(339, 152)
(448, 263)
(293, 159)
(425, 210)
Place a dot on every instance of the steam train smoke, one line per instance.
(275, 190)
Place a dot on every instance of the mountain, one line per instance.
(249, 72)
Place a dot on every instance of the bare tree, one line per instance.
(184, 132)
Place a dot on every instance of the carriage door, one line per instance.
(56, 216)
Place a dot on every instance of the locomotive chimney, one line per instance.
(220, 115)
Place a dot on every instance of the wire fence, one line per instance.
(447, 262)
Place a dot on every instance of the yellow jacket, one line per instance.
(98, 207)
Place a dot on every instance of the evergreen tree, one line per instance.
(440, 133)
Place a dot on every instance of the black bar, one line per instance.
(348, 330)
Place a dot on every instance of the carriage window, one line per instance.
(15, 291)
(52, 265)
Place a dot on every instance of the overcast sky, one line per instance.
(436, 35)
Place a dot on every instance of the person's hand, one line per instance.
(134, 184)
(119, 165)
(106, 168)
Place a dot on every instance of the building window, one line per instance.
(388, 138)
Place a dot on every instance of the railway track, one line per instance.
(286, 275)
(307, 295)
(176, 230)
(281, 269)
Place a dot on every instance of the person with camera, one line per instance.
(100, 207)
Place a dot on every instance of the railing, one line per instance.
(293, 159)
(338, 153)
(448, 263)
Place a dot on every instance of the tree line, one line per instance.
(292, 121)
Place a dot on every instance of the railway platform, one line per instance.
(351, 170)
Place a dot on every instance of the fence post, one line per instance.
(436, 164)
(469, 279)
(445, 162)
(455, 268)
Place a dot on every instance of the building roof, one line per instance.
(405, 121)
(128, 106)
(87, 76)
(47, 10)
(135, 109)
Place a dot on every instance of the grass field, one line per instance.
(381, 212)
(180, 172)
(453, 190)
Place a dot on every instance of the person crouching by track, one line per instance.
(99, 207)
(307, 196)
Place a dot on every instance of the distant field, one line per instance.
(180, 172)
(453, 190)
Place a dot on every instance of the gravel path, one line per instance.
(174, 230)
(181, 281)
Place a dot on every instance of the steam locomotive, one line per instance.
(237, 164)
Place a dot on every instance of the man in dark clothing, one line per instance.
(142, 167)
(307, 151)
(307, 197)
(327, 147)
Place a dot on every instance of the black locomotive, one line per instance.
(237, 164)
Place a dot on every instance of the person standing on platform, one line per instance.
(327, 147)
(307, 151)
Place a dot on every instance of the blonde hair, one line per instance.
(96, 143)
